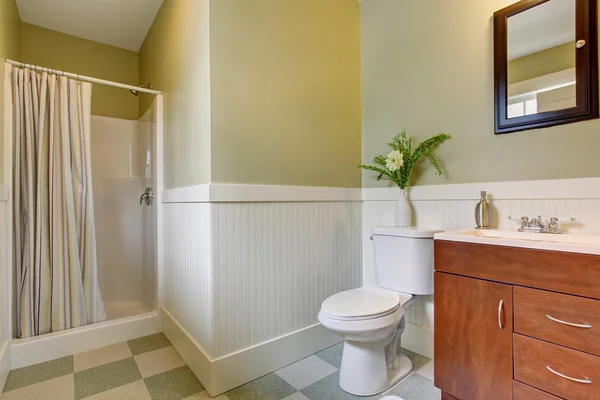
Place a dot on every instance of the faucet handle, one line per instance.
(523, 220)
(555, 220)
(564, 219)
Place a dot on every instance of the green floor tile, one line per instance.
(269, 387)
(106, 377)
(33, 374)
(416, 387)
(329, 389)
(333, 355)
(176, 384)
(417, 360)
(148, 343)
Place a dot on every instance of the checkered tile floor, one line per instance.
(149, 368)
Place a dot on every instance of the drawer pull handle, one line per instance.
(500, 307)
(584, 325)
(584, 380)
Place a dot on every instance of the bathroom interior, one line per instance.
(299, 199)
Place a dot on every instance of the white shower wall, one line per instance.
(5, 311)
(146, 160)
(125, 231)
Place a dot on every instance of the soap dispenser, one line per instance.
(483, 212)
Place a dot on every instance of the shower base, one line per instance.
(122, 309)
(29, 351)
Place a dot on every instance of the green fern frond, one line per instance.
(382, 172)
(404, 145)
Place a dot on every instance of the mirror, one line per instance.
(541, 59)
(545, 60)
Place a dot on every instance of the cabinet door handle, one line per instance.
(584, 380)
(585, 325)
(500, 312)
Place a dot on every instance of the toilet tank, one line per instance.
(404, 258)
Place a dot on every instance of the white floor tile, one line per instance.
(427, 370)
(101, 356)
(306, 372)
(158, 361)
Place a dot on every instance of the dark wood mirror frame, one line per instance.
(586, 60)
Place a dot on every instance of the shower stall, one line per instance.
(123, 170)
(126, 181)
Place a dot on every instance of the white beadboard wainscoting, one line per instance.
(452, 207)
(187, 272)
(244, 279)
(275, 263)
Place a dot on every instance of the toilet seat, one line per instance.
(364, 303)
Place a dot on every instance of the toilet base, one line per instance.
(402, 367)
(364, 371)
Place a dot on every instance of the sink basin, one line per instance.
(577, 243)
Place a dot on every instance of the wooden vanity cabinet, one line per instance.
(473, 356)
(514, 323)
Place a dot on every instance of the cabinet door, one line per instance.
(473, 338)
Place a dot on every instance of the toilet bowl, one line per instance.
(368, 318)
(371, 319)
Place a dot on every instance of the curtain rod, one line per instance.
(81, 77)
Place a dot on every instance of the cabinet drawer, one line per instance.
(558, 318)
(534, 358)
(522, 391)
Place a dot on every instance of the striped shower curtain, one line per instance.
(56, 268)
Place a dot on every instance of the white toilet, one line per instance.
(371, 319)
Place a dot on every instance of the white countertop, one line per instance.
(572, 243)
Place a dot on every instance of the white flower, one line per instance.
(394, 161)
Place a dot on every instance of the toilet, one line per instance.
(371, 319)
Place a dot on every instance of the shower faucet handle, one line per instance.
(147, 197)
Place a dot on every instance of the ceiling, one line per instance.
(539, 28)
(120, 23)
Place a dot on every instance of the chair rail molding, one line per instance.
(233, 193)
(575, 188)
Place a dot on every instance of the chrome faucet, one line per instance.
(147, 197)
(537, 225)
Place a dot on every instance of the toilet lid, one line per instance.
(362, 303)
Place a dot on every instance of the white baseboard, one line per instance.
(418, 339)
(4, 363)
(34, 350)
(228, 372)
(187, 347)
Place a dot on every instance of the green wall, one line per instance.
(175, 59)
(10, 31)
(428, 67)
(57, 50)
(258, 95)
(542, 63)
(10, 47)
(285, 92)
